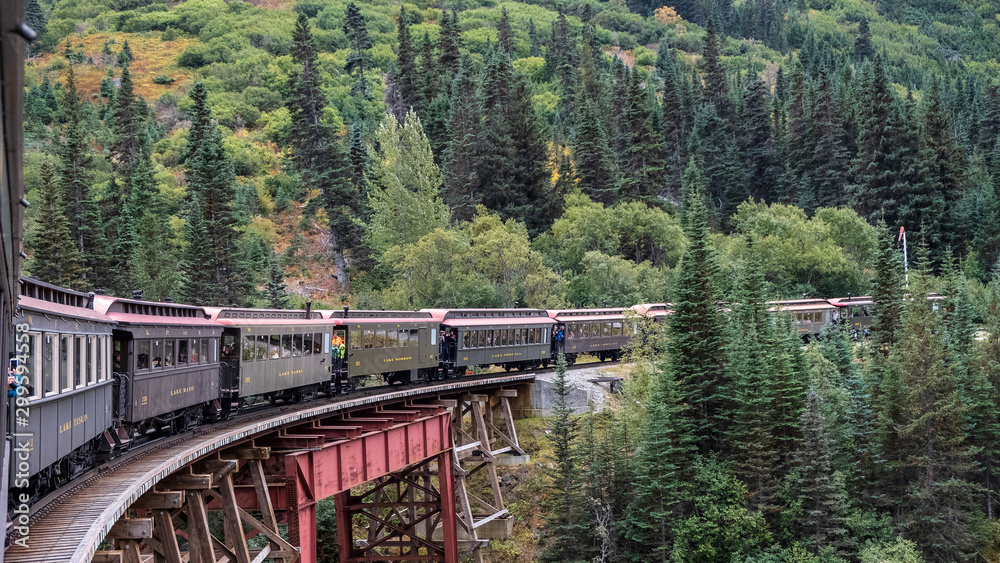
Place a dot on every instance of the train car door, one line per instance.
(123, 368)
(229, 365)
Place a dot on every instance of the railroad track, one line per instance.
(256, 412)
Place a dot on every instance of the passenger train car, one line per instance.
(166, 358)
(104, 374)
(62, 411)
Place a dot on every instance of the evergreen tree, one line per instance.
(125, 56)
(197, 268)
(695, 331)
(662, 463)
(642, 172)
(672, 122)
(820, 491)
(536, 44)
(719, 161)
(563, 528)
(34, 16)
(758, 144)
(936, 459)
(863, 48)
(942, 159)
(593, 156)
(211, 178)
(76, 169)
(404, 185)
(357, 35)
(829, 157)
(983, 394)
(798, 184)
(449, 46)
(406, 62)
(127, 117)
(277, 296)
(55, 259)
(715, 91)
(751, 390)
(461, 158)
(887, 291)
(505, 37)
(429, 83)
(358, 156)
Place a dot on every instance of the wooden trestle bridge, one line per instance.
(264, 472)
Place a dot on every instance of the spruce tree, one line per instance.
(505, 37)
(75, 170)
(695, 331)
(758, 144)
(449, 46)
(55, 259)
(126, 121)
(820, 492)
(277, 297)
(672, 123)
(563, 529)
(938, 507)
(36, 20)
(942, 160)
(406, 62)
(357, 36)
(593, 156)
(984, 392)
(197, 268)
(125, 56)
(461, 157)
(750, 393)
(536, 45)
(211, 178)
(662, 463)
(798, 184)
(863, 48)
(429, 83)
(829, 158)
(642, 172)
(715, 90)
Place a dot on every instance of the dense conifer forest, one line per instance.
(551, 153)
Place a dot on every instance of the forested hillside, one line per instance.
(412, 155)
(581, 153)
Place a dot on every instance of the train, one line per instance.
(93, 376)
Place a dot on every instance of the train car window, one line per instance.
(156, 353)
(89, 352)
(414, 337)
(391, 340)
(48, 369)
(585, 330)
(380, 338)
(275, 350)
(141, 354)
(404, 338)
(571, 331)
(214, 344)
(195, 355)
(356, 339)
(286, 345)
(249, 347)
(545, 336)
(489, 338)
(63, 362)
(519, 336)
(326, 343)
(606, 329)
(466, 339)
(616, 329)
(369, 339)
(260, 351)
(168, 353)
(182, 351)
(78, 361)
(296, 345)
(434, 337)
(473, 339)
(502, 337)
(524, 334)
(101, 350)
(307, 344)
(595, 330)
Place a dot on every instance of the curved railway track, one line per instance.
(79, 515)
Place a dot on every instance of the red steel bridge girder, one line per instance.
(336, 467)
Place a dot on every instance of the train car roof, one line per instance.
(852, 301)
(44, 297)
(42, 306)
(652, 309)
(580, 313)
(813, 306)
(493, 321)
(136, 312)
(370, 314)
(241, 314)
(486, 314)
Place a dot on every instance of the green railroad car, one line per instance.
(398, 346)
(509, 338)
